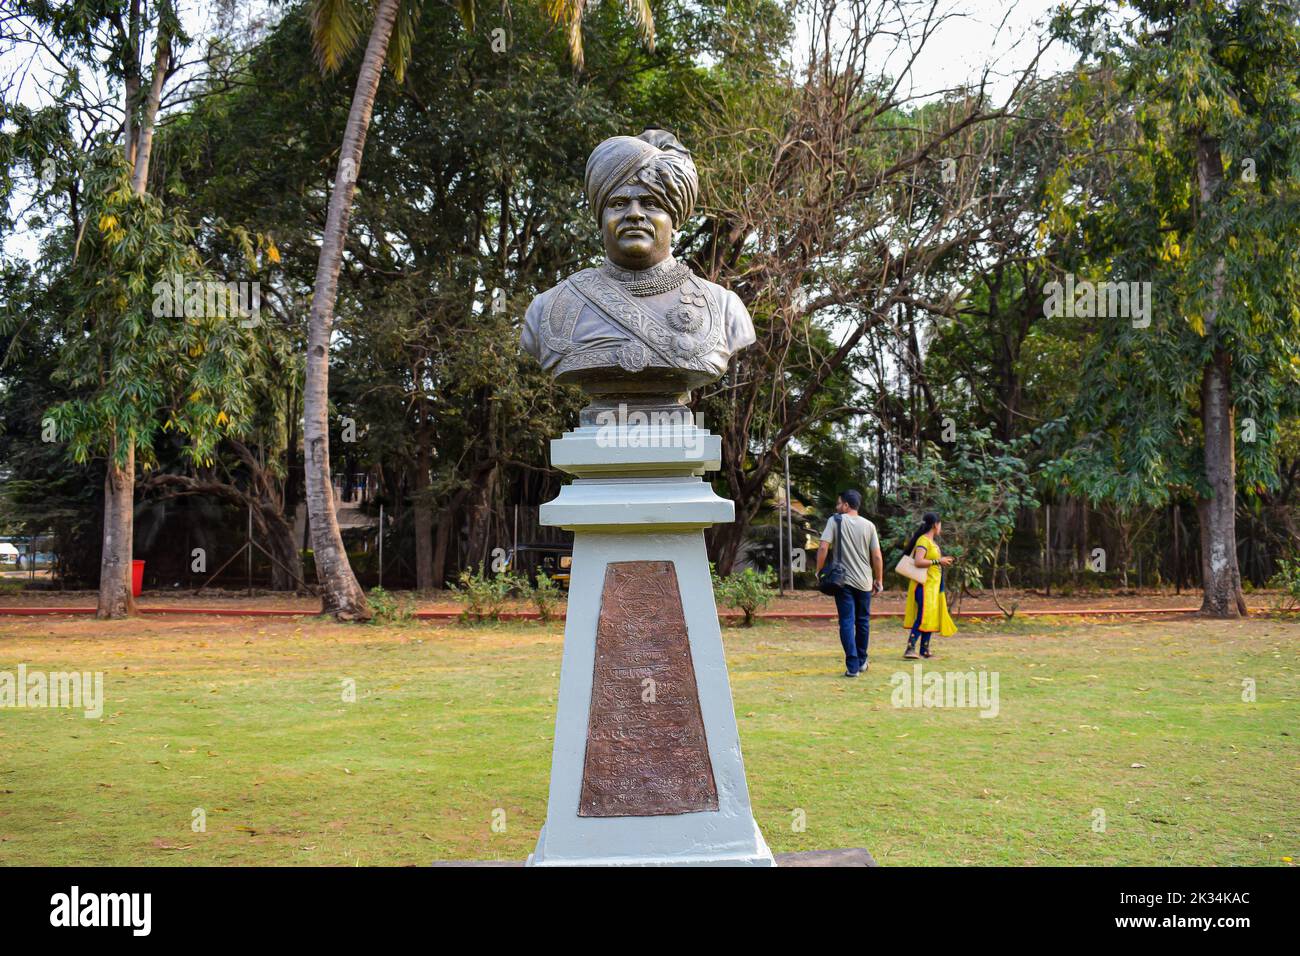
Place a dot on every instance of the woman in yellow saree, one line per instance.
(927, 605)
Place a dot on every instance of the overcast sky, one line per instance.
(973, 34)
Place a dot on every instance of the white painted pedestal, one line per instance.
(634, 503)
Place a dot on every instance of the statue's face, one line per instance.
(636, 229)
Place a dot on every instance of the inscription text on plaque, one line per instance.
(646, 750)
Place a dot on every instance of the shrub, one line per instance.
(977, 487)
(1287, 582)
(387, 609)
(748, 591)
(545, 595)
(483, 595)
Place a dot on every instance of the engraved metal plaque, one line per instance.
(646, 751)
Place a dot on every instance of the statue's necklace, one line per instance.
(664, 277)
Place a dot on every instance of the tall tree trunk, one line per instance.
(440, 542)
(132, 94)
(480, 513)
(161, 62)
(726, 544)
(292, 494)
(131, 67)
(341, 595)
(423, 518)
(1220, 575)
(728, 539)
(349, 479)
(115, 599)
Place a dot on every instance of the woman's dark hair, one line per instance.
(928, 521)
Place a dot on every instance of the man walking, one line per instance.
(857, 540)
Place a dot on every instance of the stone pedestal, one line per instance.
(647, 769)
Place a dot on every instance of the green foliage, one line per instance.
(484, 595)
(545, 595)
(1287, 582)
(137, 371)
(473, 184)
(977, 491)
(41, 491)
(748, 591)
(388, 609)
(1180, 78)
(474, 178)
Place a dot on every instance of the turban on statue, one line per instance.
(656, 160)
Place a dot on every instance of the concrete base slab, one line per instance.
(850, 856)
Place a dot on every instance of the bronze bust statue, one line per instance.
(641, 326)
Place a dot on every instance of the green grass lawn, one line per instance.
(245, 720)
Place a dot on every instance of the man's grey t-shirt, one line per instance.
(860, 539)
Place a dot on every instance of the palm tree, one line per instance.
(336, 26)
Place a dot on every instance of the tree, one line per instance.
(336, 26)
(136, 365)
(1201, 147)
(108, 45)
(472, 204)
(828, 211)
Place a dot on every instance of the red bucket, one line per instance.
(137, 578)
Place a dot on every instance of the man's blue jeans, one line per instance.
(854, 607)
